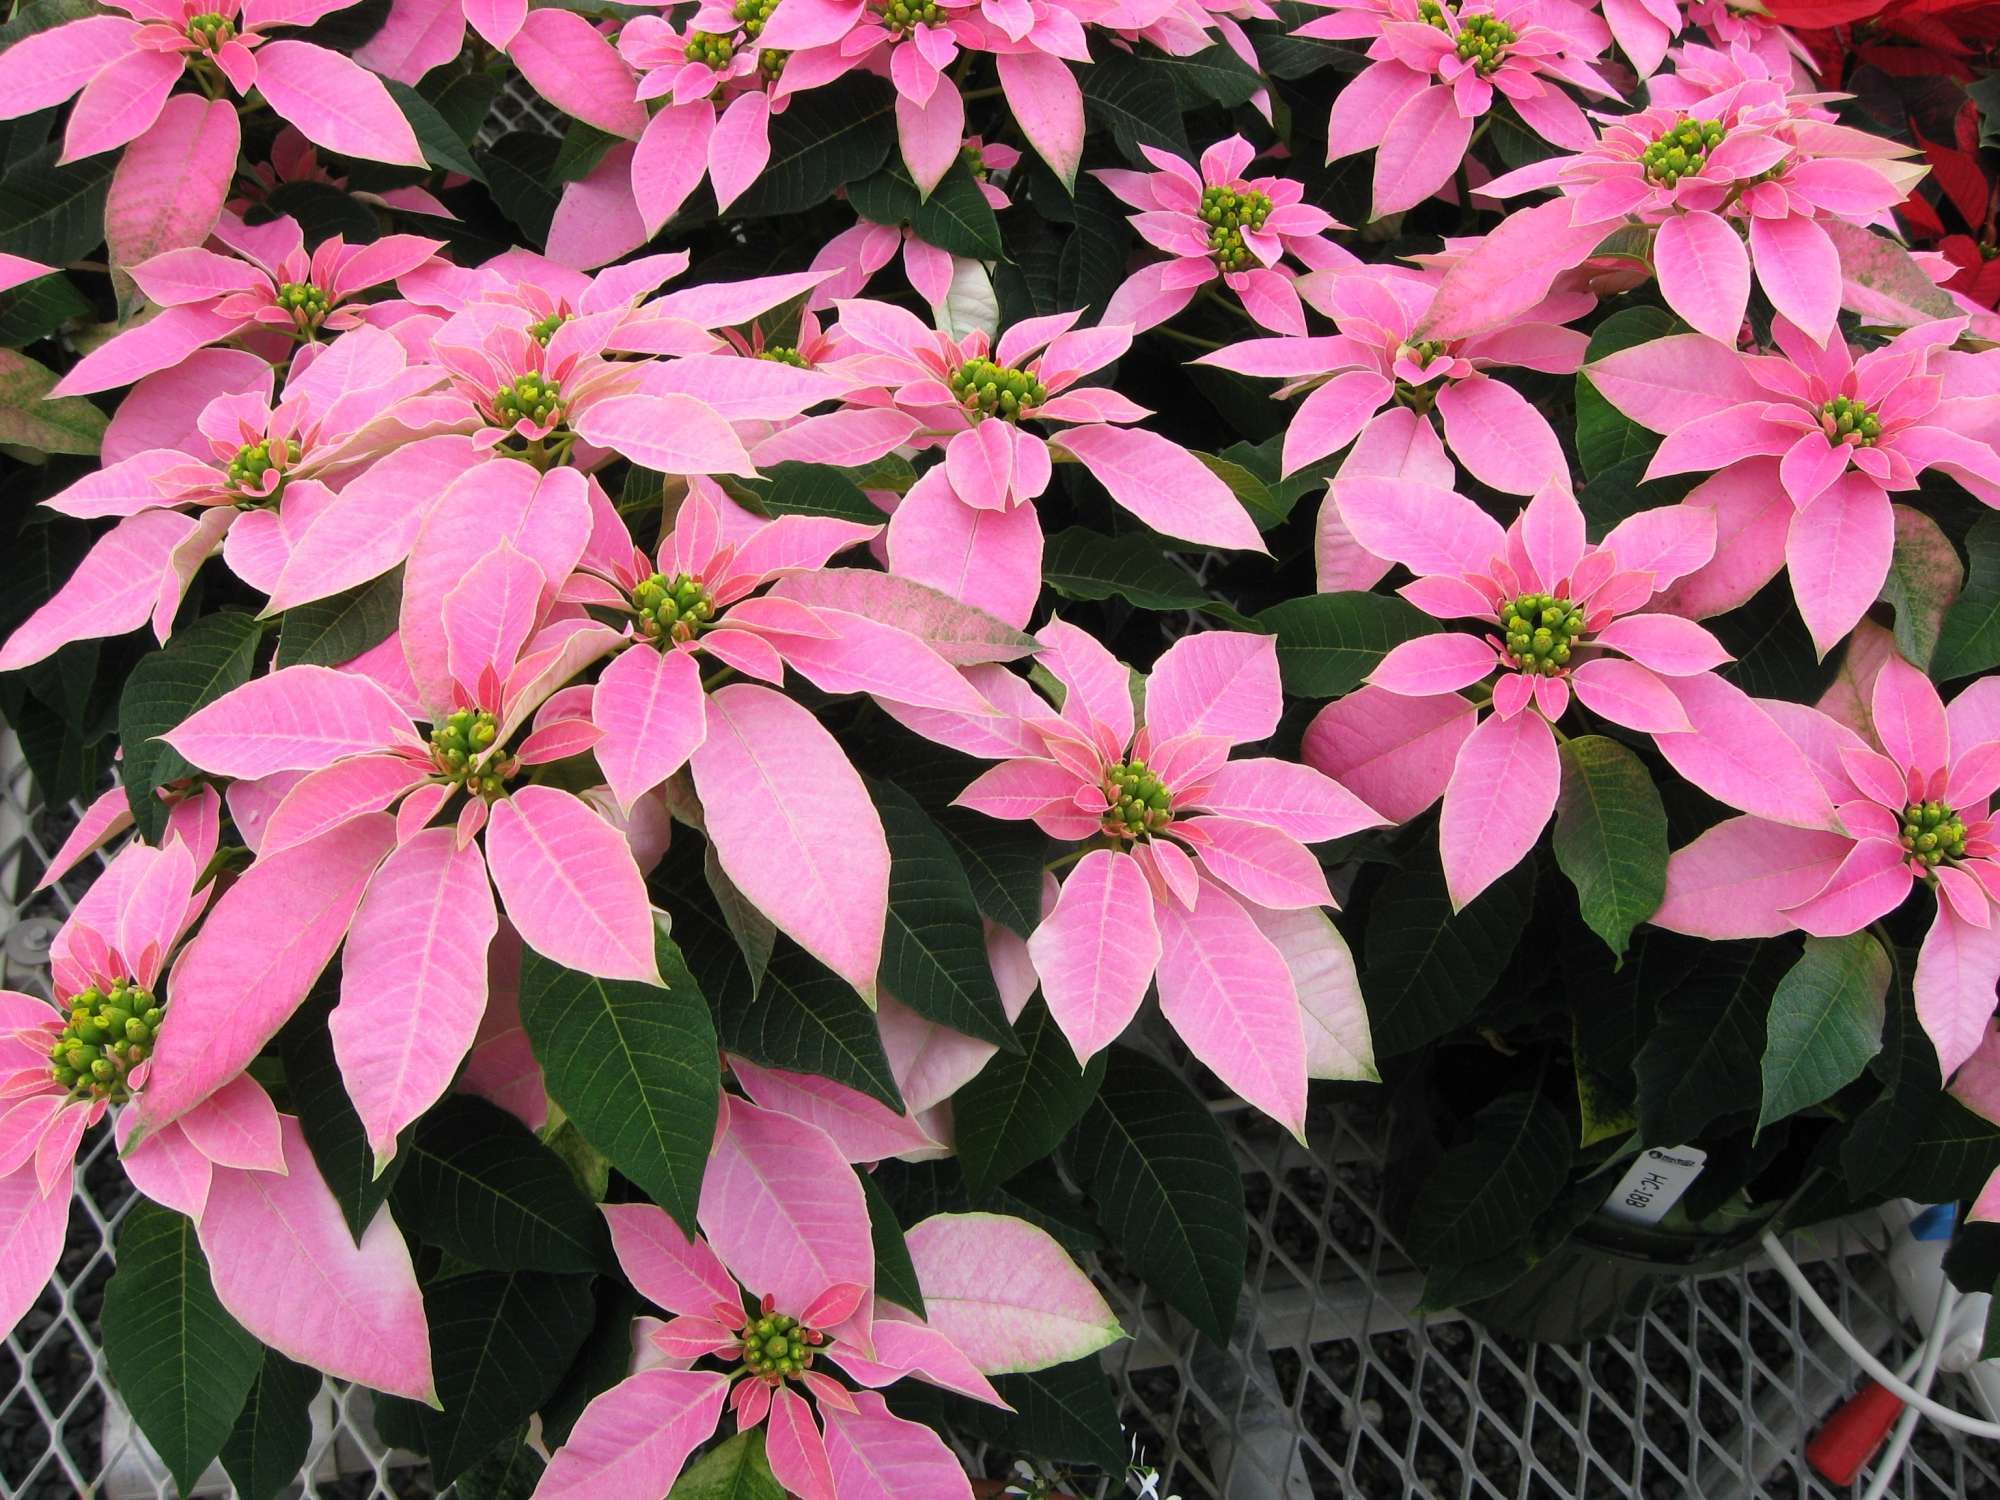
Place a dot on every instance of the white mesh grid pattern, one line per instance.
(1328, 1389)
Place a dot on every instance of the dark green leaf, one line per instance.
(933, 948)
(54, 214)
(1426, 968)
(1327, 643)
(1082, 564)
(510, 1471)
(30, 418)
(195, 667)
(583, 147)
(1970, 640)
(273, 1433)
(1135, 103)
(500, 1341)
(1953, 1154)
(322, 210)
(634, 1066)
(1167, 1190)
(1064, 1414)
(796, 489)
(66, 766)
(1610, 836)
(1877, 1145)
(1004, 863)
(1605, 435)
(462, 102)
(345, 30)
(895, 1273)
(1621, 491)
(480, 1186)
(333, 1131)
(330, 631)
(808, 1019)
(1703, 1059)
(732, 1470)
(826, 138)
(43, 15)
(1020, 1106)
(603, 1361)
(1825, 1023)
(1289, 56)
(1488, 1190)
(183, 1366)
(1925, 579)
(1775, 656)
(38, 309)
(1216, 74)
(955, 218)
(442, 144)
(518, 168)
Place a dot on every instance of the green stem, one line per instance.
(1187, 338)
(716, 679)
(1068, 859)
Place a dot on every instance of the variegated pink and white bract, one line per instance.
(1206, 862)
(780, 1283)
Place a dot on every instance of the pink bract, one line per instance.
(1201, 847)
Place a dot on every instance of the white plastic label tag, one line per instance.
(1654, 1184)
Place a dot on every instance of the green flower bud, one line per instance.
(1681, 150)
(210, 31)
(1229, 212)
(980, 385)
(1540, 632)
(1845, 420)
(904, 16)
(672, 609)
(783, 354)
(753, 14)
(306, 303)
(545, 330)
(712, 47)
(1932, 832)
(108, 1034)
(531, 398)
(1136, 802)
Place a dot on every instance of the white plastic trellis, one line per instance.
(1328, 1388)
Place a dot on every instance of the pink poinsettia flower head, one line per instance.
(1219, 223)
(1555, 616)
(778, 1285)
(1191, 859)
(755, 596)
(1735, 24)
(126, 64)
(270, 291)
(482, 645)
(65, 1067)
(1700, 72)
(914, 41)
(243, 474)
(1842, 434)
(1748, 164)
(715, 84)
(531, 382)
(1378, 363)
(420, 35)
(1439, 65)
(1914, 804)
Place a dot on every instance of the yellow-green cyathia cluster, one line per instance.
(456, 745)
(105, 1038)
(715, 48)
(253, 460)
(1541, 631)
(753, 14)
(672, 609)
(1228, 212)
(1845, 420)
(1140, 802)
(777, 1346)
(906, 15)
(1681, 150)
(305, 302)
(545, 330)
(1483, 41)
(210, 30)
(996, 390)
(530, 397)
(1933, 833)
(783, 354)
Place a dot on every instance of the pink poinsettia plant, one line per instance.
(712, 740)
